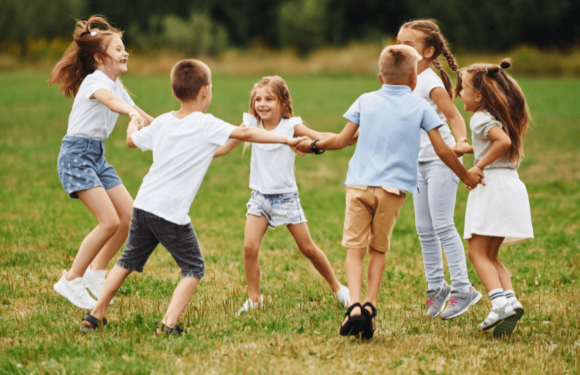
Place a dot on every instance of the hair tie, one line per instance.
(93, 34)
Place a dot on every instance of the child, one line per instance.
(90, 71)
(500, 211)
(382, 170)
(435, 201)
(183, 144)
(274, 200)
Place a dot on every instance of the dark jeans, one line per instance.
(148, 230)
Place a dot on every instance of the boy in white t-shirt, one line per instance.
(183, 144)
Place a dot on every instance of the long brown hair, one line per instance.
(281, 91)
(80, 58)
(503, 99)
(434, 38)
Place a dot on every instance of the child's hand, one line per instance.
(474, 177)
(304, 146)
(139, 120)
(297, 144)
(354, 138)
(462, 147)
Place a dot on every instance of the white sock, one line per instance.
(510, 295)
(497, 298)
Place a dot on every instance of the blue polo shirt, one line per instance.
(390, 122)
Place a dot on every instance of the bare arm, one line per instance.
(335, 141)
(222, 150)
(149, 119)
(446, 154)
(263, 136)
(303, 130)
(132, 128)
(501, 145)
(441, 98)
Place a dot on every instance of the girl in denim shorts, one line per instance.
(90, 71)
(274, 200)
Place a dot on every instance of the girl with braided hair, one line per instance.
(435, 202)
(499, 212)
(89, 71)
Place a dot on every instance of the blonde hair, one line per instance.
(503, 98)
(396, 62)
(282, 93)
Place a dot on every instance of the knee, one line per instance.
(473, 254)
(124, 219)
(111, 225)
(251, 250)
(309, 251)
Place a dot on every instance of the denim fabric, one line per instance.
(434, 209)
(279, 209)
(82, 165)
(148, 230)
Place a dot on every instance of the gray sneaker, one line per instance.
(460, 302)
(436, 300)
(503, 313)
(506, 327)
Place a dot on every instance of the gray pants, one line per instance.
(434, 209)
(148, 230)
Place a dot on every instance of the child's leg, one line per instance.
(502, 272)
(354, 275)
(375, 275)
(181, 296)
(99, 203)
(112, 284)
(123, 204)
(256, 227)
(486, 270)
(307, 246)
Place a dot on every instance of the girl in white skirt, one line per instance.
(498, 211)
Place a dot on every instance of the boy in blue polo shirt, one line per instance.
(381, 172)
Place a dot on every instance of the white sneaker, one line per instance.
(250, 305)
(343, 296)
(75, 291)
(497, 316)
(94, 280)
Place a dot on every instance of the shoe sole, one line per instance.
(473, 302)
(506, 327)
(60, 289)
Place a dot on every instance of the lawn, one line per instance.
(297, 331)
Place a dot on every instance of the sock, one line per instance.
(497, 298)
(510, 295)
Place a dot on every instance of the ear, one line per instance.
(428, 52)
(478, 97)
(381, 79)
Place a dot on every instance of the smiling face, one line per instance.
(267, 104)
(414, 38)
(120, 57)
(470, 97)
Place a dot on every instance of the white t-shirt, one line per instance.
(272, 165)
(182, 152)
(90, 118)
(427, 81)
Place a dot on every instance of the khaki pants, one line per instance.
(371, 214)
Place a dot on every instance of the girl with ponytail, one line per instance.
(89, 71)
(435, 202)
(499, 212)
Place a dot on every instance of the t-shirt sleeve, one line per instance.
(430, 119)
(218, 132)
(432, 82)
(353, 113)
(145, 137)
(93, 83)
(249, 120)
(294, 121)
(481, 124)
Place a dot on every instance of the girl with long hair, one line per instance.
(89, 71)
(499, 212)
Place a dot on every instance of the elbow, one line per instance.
(130, 143)
(343, 143)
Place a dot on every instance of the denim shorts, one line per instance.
(279, 209)
(148, 230)
(82, 165)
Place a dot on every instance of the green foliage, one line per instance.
(302, 24)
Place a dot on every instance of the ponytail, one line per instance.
(91, 39)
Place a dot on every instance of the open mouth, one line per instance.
(124, 61)
(264, 111)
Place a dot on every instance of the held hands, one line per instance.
(304, 146)
(139, 120)
(474, 177)
(462, 147)
(296, 144)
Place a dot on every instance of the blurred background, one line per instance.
(296, 36)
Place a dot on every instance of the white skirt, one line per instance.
(501, 208)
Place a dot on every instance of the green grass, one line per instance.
(41, 229)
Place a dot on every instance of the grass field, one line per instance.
(297, 332)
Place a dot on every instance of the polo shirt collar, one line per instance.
(396, 89)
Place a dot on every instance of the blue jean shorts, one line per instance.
(82, 165)
(279, 209)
